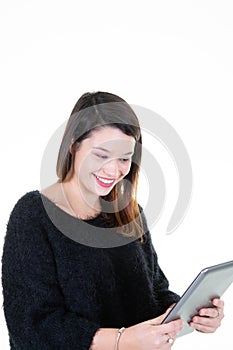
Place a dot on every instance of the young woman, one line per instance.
(79, 269)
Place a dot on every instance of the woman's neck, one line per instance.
(83, 205)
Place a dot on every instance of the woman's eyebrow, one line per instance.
(106, 150)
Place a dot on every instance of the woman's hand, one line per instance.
(151, 334)
(209, 319)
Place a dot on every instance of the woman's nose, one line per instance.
(111, 168)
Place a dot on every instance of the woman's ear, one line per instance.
(71, 146)
(74, 146)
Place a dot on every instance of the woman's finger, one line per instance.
(213, 312)
(202, 328)
(218, 303)
(168, 338)
(173, 327)
(206, 321)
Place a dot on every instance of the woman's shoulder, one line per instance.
(31, 201)
(33, 206)
(27, 205)
(29, 198)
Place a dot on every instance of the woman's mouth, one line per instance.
(104, 182)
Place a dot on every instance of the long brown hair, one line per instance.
(91, 112)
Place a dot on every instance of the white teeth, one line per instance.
(104, 180)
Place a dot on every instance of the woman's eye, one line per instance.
(125, 160)
(101, 156)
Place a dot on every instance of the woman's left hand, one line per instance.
(209, 319)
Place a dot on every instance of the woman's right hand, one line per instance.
(151, 334)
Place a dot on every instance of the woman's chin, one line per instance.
(101, 192)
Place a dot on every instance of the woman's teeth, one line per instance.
(105, 181)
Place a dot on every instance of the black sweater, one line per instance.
(57, 292)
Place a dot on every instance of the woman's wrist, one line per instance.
(120, 331)
(125, 343)
(104, 339)
(109, 338)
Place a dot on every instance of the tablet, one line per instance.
(210, 283)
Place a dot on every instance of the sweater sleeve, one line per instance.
(161, 289)
(35, 311)
(161, 286)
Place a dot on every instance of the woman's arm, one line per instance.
(35, 310)
(160, 283)
(146, 335)
(104, 339)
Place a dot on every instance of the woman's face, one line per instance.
(102, 160)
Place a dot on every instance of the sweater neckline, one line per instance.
(63, 212)
(85, 232)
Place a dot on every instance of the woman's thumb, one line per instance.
(158, 320)
(170, 308)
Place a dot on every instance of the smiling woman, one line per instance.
(61, 292)
(99, 164)
(99, 161)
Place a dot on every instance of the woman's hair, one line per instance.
(94, 111)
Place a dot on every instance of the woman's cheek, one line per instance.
(125, 169)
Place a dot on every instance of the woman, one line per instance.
(79, 269)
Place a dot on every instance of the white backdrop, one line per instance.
(174, 57)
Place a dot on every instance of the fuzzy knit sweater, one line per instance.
(58, 292)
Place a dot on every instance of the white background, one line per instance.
(174, 57)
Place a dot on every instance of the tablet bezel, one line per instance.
(204, 283)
